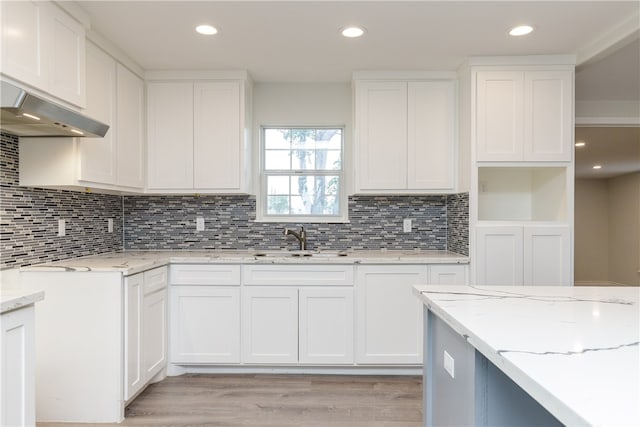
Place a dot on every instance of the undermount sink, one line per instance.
(284, 253)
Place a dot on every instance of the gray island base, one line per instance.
(479, 394)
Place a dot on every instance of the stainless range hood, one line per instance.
(26, 114)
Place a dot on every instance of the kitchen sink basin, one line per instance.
(287, 254)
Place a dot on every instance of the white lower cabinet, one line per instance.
(133, 373)
(154, 322)
(145, 325)
(205, 324)
(326, 325)
(300, 315)
(270, 324)
(306, 320)
(205, 314)
(388, 314)
(17, 379)
(529, 255)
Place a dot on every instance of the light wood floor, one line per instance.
(277, 400)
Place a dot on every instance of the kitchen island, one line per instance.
(531, 355)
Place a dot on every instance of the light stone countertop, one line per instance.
(575, 350)
(13, 299)
(132, 262)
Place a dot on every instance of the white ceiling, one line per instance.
(296, 41)
(616, 149)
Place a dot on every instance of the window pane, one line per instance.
(277, 159)
(329, 138)
(328, 160)
(278, 205)
(277, 185)
(303, 160)
(276, 138)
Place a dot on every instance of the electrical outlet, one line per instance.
(110, 225)
(449, 364)
(406, 225)
(61, 228)
(199, 224)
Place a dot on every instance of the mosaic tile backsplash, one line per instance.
(28, 222)
(168, 222)
(29, 218)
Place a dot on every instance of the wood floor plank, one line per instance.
(277, 401)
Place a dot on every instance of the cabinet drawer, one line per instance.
(196, 274)
(298, 275)
(155, 279)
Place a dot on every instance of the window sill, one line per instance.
(304, 220)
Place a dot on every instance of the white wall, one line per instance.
(591, 227)
(302, 104)
(624, 229)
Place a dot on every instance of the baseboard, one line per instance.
(599, 283)
(175, 370)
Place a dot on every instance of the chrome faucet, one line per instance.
(300, 235)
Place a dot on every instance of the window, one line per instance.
(302, 174)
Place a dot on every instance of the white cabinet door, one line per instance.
(326, 325)
(170, 135)
(205, 324)
(448, 274)
(23, 42)
(431, 134)
(98, 156)
(270, 325)
(154, 336)
(388, 315)
(17, 370)
(548, 115)
(499, 115)
(133, 370)
(499, 258)
(547, 255)
(381, 135)
(67, 58)
(130, 128)
(217, 136)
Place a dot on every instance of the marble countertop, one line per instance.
(13, 299)
(132, 262)
(575, 350)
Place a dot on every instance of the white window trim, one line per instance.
(261, 207)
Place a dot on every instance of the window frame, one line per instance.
(261, 199)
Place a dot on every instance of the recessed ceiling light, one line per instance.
(580, 144)
(521, 30)
(206, 30)
(352, 31)
(597, 166)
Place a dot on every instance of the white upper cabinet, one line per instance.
(405, 136)
(524, 115)
(129, 128)
(217, 135)
(431, 135)
(67, 58)
(44, 47)
(23, 42)
(381, 148)
(98, 156)
(170, 135)
(197, 137)
(115, 96)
